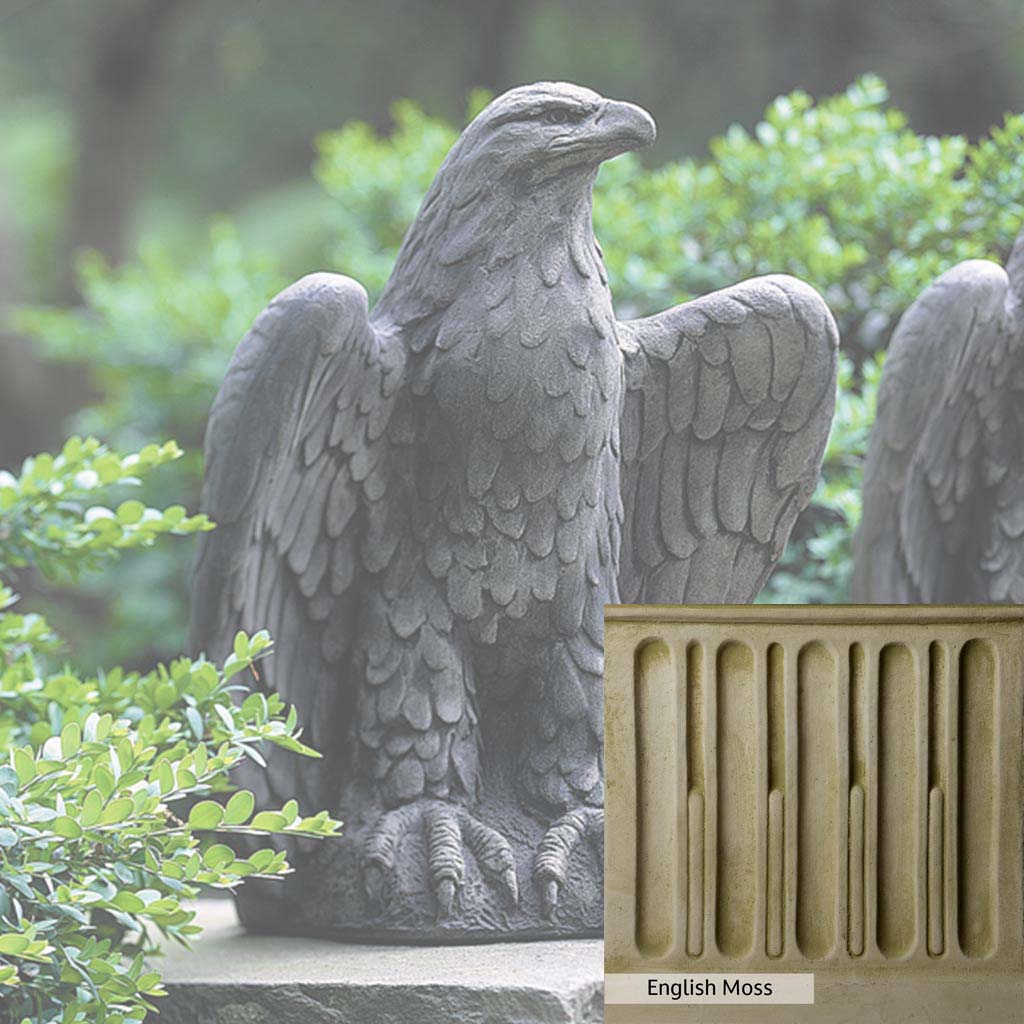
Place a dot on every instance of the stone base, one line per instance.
(327, 894)
(233, 977)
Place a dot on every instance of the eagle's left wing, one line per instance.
(729, 400)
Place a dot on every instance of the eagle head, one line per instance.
(523, 169)
(541, 131)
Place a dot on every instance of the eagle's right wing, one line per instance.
(935, 442)
(729, 399)
(297, 483)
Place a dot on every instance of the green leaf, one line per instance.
(253, 754)
(90, 760)
(165, 777)
(224, 714)
(130, 512)
(195, 721)
(24, 765)
(217, 856)
(259, 642)
(128, 902)
(255, 707)
(268, 821)
(150, 983)
(116, 811)
(66, 827)
(232, 666)
(239, 808)
(12, 944)
(92, 808)
(207, 814)
(103, 780)
(165, 696)
(70, 739)
(290, 811)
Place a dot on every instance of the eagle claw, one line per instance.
(551, 864)
(448, 831)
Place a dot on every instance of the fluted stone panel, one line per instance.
(827, 789)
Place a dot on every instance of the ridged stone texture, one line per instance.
(835, 790)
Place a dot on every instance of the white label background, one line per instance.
(632, 988)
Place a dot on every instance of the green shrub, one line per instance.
(36, 171)
(816, 567)
(155, 338)
(94, 863)
(377, 185)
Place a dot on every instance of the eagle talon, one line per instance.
(551, 865)
(549, 899)
(373, 882)
(448, 831)
(445, 894)
(510, 885)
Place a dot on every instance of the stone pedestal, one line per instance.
(233, 977)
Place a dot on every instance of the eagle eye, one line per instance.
(560, 115)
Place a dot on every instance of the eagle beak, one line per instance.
(621, 127)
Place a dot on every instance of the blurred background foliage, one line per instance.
(167, 165)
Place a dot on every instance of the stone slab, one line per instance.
(234, 977)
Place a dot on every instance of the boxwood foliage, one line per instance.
(98, 855)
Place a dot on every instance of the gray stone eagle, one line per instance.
(943, 518)
(429, 504)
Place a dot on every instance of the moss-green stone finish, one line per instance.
(834, 790)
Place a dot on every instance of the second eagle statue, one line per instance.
(429, 504)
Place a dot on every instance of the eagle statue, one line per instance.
(943, 492)
(428, 505)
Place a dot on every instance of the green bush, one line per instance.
(842, 193)
(36, 170)
(816, 567)
(94, 863)
(377, 185)
(155, 338)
